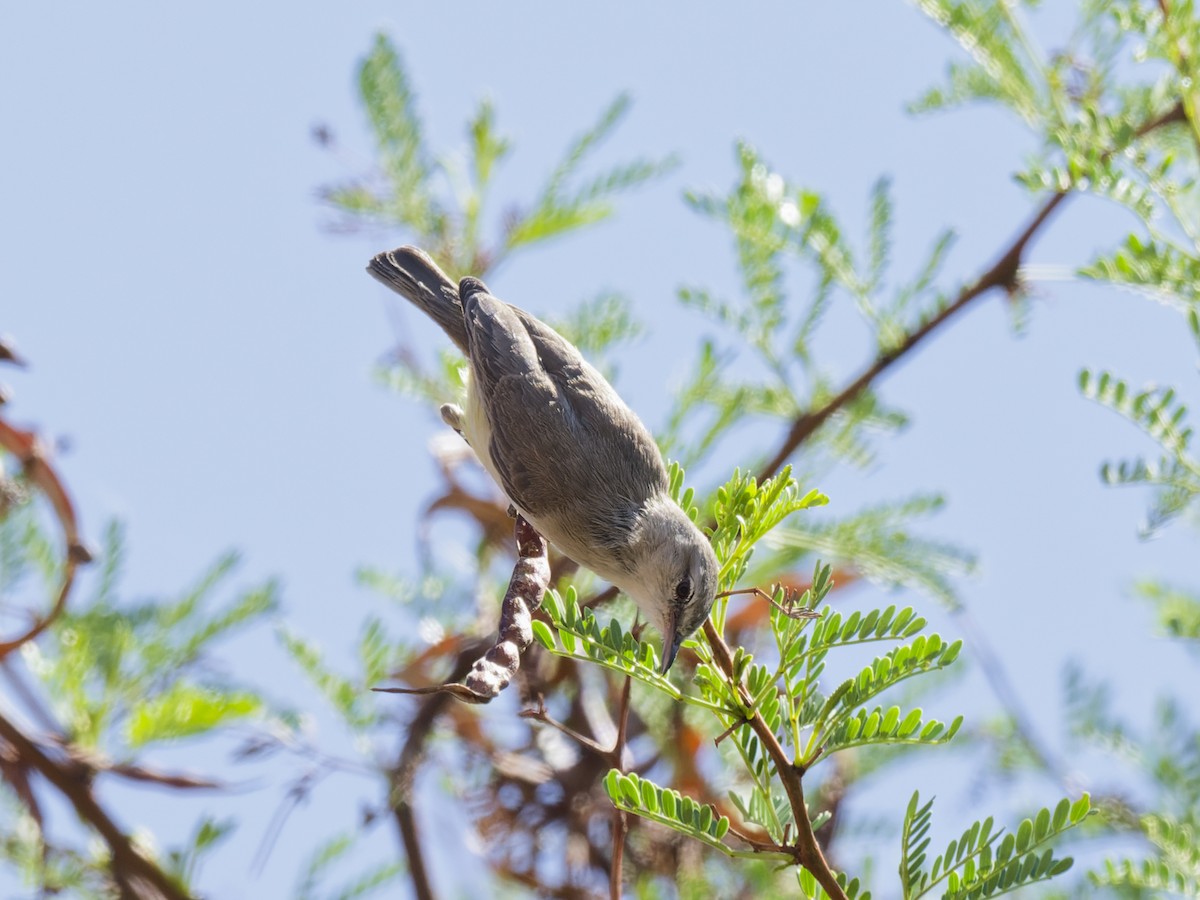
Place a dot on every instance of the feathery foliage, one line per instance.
(983, 861)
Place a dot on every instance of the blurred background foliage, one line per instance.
(110, 679)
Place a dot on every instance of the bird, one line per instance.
(574, 460)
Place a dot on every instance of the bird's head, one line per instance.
(674, 574)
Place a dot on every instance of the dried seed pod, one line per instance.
(494, 671)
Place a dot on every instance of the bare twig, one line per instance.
(788, 607)
(297, 792)
(601, 597)
(174, 780)
(753, 843)
(539, 714)
(34, 706)
(9, 354)
(997, 678)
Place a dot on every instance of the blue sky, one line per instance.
(204, 341)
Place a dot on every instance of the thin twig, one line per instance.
(601, 597)
(790, 609)
(997, 678)
(298, 791)
(33, 704)
(753, 843)
(539, 714)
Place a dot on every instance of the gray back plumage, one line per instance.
(543, 402)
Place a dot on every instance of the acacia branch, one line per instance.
(613, 757)
(620, 823)
(1004, 274)
(540, 714)
(138, 876)
(805, 851)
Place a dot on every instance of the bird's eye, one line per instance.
(683, 590)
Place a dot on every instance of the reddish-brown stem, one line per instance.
(806, 850)
(539, 714)
(1003, 274)
(620, 825)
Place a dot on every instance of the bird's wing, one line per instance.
(561, 436)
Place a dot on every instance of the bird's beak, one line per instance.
(672, 640)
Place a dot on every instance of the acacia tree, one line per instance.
(593, 773)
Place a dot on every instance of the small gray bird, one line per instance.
(574, 460)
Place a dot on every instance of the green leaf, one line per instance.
(640, 796)
(880, 237)
(391, 110)
(559, 209)
(185, 710)
(544, 635)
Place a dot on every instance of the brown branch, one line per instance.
(601, 597)
(620, 823)
(1004, 274)
(403, 774)
(613, 757)
(174, 780)
(138, 876)
(34, 707)
(806, 851)
(29, 450)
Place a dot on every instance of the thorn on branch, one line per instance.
(767, 846)
(493, 672)
(730, 730)
(789, 606)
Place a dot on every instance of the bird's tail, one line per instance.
(413, 274)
